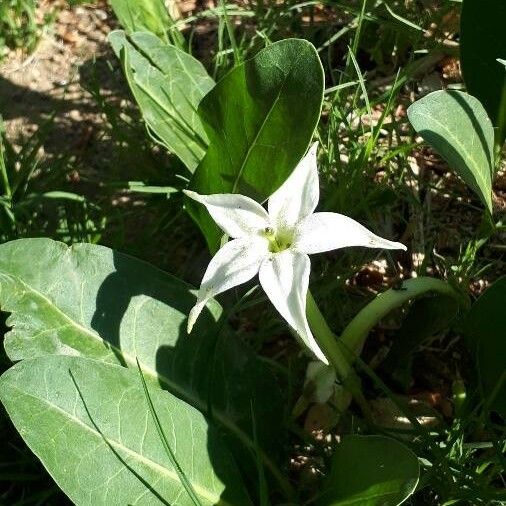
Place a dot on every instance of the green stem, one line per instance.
(356, 332)
(3, 170)
(231, 34)
(342, 351)
(326, 339)
(329, 344)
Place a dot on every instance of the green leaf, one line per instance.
(142, 15)
(168, 85)
(371, 471)
(456, 125)
(259, 119)
(90, 425)
(425, 317)
(485, 327)
(90, 301)
(482, 43)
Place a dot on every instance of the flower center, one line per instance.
(279, 240)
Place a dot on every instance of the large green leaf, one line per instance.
(167, 84)
(259, 120)
(482, 43)
(89, 423)
(90, 301)
(456, 125)
(371, 471)
(485, 328)
(142, 15)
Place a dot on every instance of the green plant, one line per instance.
(34, 199)
(18, 25)
(153, 414)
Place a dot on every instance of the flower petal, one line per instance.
(237, 215)
(327, 231)
(298, 196)
(285, 278)
(235, 263)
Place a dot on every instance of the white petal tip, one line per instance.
(193, 195)
(320, 356)
(398, 245)
(324, 360)
(385, 244)
(194, 314)
(313, 148)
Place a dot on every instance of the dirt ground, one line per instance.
(48, 81)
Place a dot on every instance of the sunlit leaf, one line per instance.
(167, 84)
(142, 15)
(91, 301)
(456, 125)
(90, 425)
(259, 119)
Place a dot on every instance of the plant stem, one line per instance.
(355, 333)
(3, 170)
(342, 351)
(231, 34)
(329, 344)
(327, 340)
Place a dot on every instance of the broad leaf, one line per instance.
(90, 425)
(425, 317)
(485, 328)
(482, 43)
(371, 471)
(456, 125)
(142, 15)
(167, 84)
(259, 119)
(90, 301)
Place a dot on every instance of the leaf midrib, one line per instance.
(474, 162)
(150, 463)
(172, 387)
(262, 126)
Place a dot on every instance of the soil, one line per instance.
(32, 87)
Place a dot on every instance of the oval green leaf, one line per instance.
(484, 328)
(90, 425)
(482, 43)
(371, 471)
(168, 85)
(90, 301)
(456, 125)
(259, 119)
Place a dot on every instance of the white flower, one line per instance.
(276, 244)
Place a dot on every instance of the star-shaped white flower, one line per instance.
(276, 244)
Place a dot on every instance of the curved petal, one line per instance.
(327, 231)
(298, 196)
(237, 215)
(285, 278)
(235, 263)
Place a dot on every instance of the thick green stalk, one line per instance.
(356, 332)
(329, 344)
(342, 351)
(326, 338)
